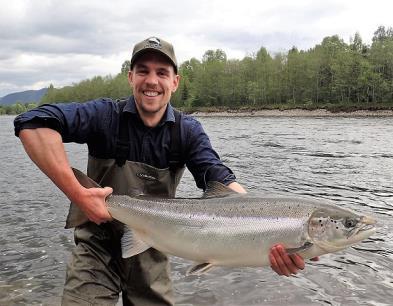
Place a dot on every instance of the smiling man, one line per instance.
(140, 144)
(153, 79)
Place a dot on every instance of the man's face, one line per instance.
(153, 81)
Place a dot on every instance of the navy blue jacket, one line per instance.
(96, 124)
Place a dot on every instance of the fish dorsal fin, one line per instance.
(131, 244)
(218, 190)
(200, 268)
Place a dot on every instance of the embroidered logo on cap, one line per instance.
(153, 42)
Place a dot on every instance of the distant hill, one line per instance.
(23, 97)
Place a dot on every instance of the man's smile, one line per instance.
(151, 93)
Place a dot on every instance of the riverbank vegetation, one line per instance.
(16, 108)
(334, 75)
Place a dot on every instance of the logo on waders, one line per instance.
(146, 177)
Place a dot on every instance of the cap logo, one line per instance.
(153, 42)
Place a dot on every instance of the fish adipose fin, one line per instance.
(304, 247)
(218, 190)
(131, 244)
(75, 216)
(200, 268)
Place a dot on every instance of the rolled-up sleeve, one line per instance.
(76, 122)
(202, 160)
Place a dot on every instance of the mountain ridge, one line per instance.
(27, 96)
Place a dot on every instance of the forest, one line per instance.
(334, 74)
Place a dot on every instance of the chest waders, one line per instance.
(97, 272)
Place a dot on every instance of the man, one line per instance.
(138, 144)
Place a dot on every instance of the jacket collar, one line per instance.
(130, 107)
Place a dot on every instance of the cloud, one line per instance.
(61, 42)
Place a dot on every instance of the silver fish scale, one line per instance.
(236, 230)
(217, 230)
(219, 215)
(230, 231)
(245, 206)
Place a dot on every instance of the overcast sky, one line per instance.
(64, 42)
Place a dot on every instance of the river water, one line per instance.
(348, 160)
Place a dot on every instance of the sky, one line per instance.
(45, 42)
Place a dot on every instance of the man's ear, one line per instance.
(176, 82)
(130, 77)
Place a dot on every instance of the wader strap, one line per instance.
(123, 142)
(175, 154)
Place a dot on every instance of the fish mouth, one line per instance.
(366, 225)
(368, 220)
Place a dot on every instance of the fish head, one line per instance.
(335, 228)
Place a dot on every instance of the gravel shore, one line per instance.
(295, 113)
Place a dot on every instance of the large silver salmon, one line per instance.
(229, 229)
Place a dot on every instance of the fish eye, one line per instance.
(348, 223)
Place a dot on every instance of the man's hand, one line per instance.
(92, 203)
(286, 264)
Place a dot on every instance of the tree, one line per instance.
(125, 67)
(331, 72)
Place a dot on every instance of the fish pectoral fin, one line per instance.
(216, 189)
(131, 244)
(200, 268)
(304, 247)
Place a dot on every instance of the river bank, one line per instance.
(293, 113)
(286, 112)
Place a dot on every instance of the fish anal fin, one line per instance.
(131, 244)
(216, 189)
(302, 248)
(200, 268)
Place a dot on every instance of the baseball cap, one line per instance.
(154, 44)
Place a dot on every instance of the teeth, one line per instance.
(151, 93)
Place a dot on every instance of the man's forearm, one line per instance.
(45, 148)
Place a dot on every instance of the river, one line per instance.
(348, 160)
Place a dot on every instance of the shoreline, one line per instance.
(294, 113)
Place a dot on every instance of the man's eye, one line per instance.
(141, 71)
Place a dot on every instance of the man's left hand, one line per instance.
(285, 264)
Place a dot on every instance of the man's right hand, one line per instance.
(92, 202)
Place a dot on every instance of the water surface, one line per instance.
(348, 160)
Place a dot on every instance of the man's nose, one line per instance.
(152, 78)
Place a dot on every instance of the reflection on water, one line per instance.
(348, 160)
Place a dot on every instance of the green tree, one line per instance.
(125, 67)
(331, 72)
